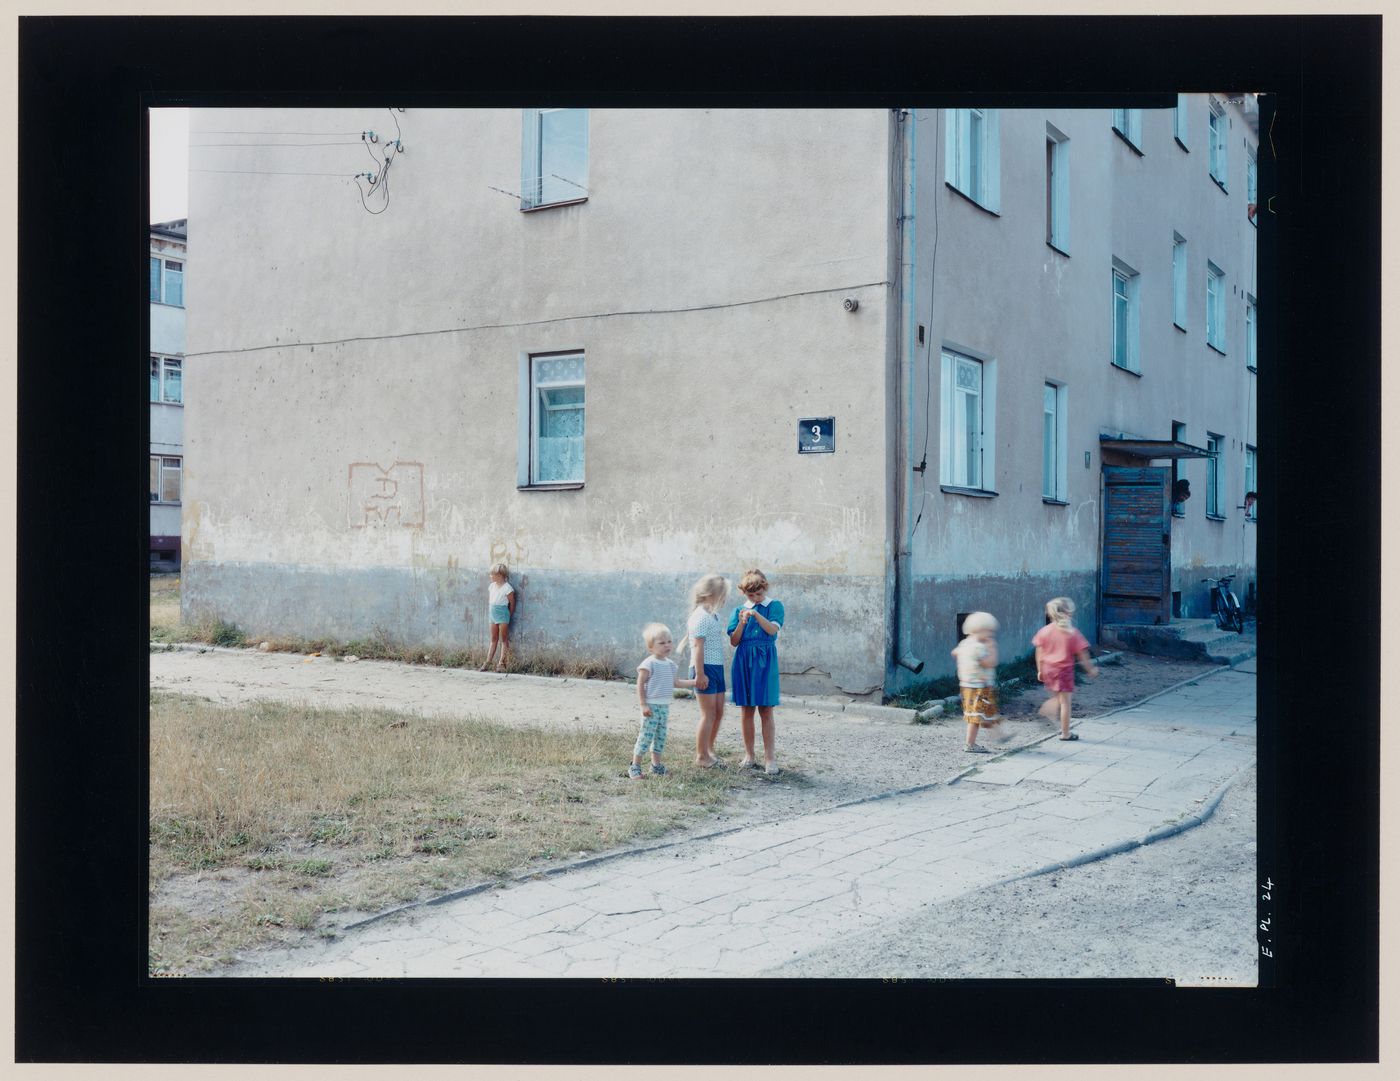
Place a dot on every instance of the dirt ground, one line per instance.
(827, 757)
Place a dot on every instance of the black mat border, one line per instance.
(81, 691)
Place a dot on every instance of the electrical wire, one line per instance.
(542, 322)
(276, 133)
(378, 180)
(226, 146)
(928, 344)
(265, 172)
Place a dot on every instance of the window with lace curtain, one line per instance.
(556, 418)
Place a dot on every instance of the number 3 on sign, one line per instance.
(816, 433)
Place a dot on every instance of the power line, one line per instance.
(275, 133)
(539, 322)
(206, 146)
(266, 172)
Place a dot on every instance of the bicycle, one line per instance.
(1224, 605)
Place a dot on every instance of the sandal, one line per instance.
(772, 769)
(1071, 736)
(748, 763)
(658, 770)
(973, 748)
(635, 772)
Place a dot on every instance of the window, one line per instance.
(1128, 123)
(1251, 184)
(1251, 334)
(973, 155)
(1179, 280)
(968, 403)
(554, 157)
(1215, 307)
(165, 479)
(1056, 189)
(1125, 317)
(165, 380)
(167, 281)
(1180, 121)
(1178, 436)
(1054, 471)
(556, 418)
(1251, 480)
(1218, 125)
(1214, 500)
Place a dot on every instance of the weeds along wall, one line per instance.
(361, 414)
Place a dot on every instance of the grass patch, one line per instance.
(265, 818)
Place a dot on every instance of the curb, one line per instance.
(1161, 833)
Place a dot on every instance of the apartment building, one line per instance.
(168, 242)
(891, 357)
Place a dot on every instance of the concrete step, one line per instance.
(1232, 653)
(1183, 639)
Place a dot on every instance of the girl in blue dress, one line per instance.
(753, 629)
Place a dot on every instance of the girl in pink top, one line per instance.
(1057, 645)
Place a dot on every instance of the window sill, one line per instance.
(1215, 348)
(1215, 517)
(569, 487)
(1179, 143)
(1253, 368)
(551, 206)
(1179, 514)
(963, 195)
(1056, 248)
(1180, 328)
(163, 503)
(1220, 184)
(1136, 149)
(163, 304)
(1053, 502)
(1121, 368)
(180, 404)
(978, 493)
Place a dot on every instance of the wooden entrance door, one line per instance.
(1136, 574)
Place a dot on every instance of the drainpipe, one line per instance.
(902, 581)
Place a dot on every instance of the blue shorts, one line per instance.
(500, 613)
(715, 674)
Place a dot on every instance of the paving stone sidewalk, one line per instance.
(744, 901)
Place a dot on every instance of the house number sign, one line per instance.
(816, 435)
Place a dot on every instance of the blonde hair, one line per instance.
(501, 569)
(1060, 610)
(652, 631)
(976, 622)
(753, 577)
(711, 585)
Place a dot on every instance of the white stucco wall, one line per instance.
(703, 278)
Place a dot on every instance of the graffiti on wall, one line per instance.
(386, 497)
